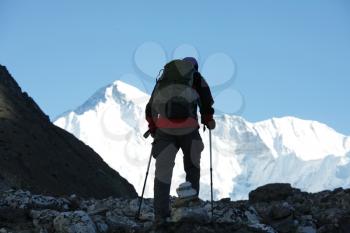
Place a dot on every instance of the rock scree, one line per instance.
(300, 212)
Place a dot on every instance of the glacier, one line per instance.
(307, 154)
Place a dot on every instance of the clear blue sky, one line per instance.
(291, 57)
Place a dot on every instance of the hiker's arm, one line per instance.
(206, 99)
(149, 114)
(149, 118)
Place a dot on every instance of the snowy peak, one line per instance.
(118, 92)
(128, 91)
(309, 140)
(115, 107)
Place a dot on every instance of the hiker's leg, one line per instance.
(165, 152)
(192, 146)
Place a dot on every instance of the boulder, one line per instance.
(271, 192)
(74, 222)
(43, 219)
(190, 214)
(117, 222)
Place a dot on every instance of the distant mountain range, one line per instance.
(305, 153)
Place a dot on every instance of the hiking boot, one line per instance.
(160, 221)
(160, 224)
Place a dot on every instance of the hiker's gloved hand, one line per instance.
(210, 124)
(153, 132)
(151, 126)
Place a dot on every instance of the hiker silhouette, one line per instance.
(173, 123)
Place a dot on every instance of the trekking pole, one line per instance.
(144, 184)
(211, 176)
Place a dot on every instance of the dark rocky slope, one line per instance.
(36, 155)
(272, 208)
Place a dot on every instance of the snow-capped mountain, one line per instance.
(307, 154)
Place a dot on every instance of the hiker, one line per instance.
(172, 120)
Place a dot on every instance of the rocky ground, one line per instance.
(271, 208)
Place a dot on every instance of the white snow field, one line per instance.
(308, 154)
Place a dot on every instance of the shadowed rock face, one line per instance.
(38, 156)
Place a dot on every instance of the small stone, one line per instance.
(189, 201)
(307, 229)
(226, 200)
(149, 216)
(100, 223)
(280, 211)
(185, 190)
(286, 225)
(252, 217)
(47, 202)
(337, 190)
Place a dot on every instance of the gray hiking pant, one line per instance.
(164, 149)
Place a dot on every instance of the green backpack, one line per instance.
(174, 96)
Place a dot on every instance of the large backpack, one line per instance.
(174, 96)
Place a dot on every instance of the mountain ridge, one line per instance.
(246, 154)
(38, 156)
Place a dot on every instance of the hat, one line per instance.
(192, 60)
